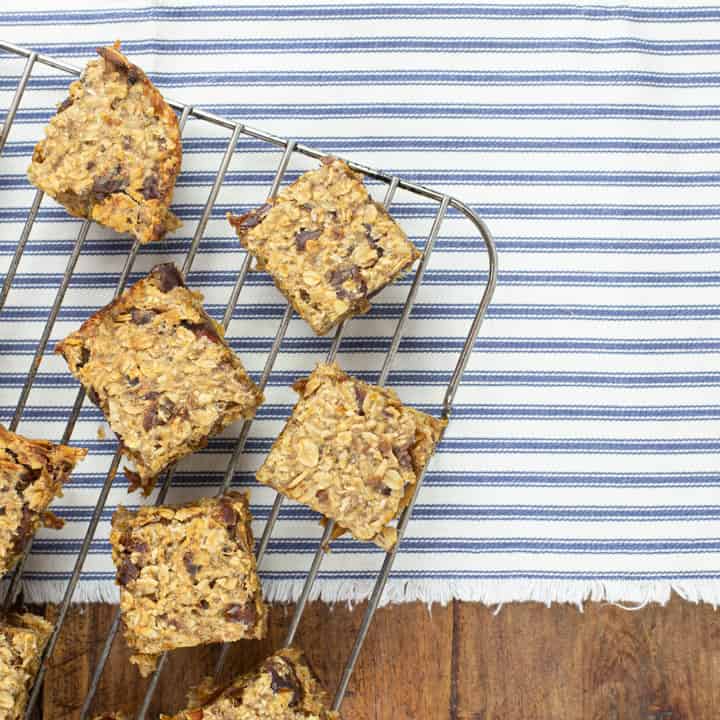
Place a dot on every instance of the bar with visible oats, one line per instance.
(187, 576)
(327, 244)
(351, 451)
(158, 367)
(284, 687)
(32, 474)
(22, 641)
(112, 152)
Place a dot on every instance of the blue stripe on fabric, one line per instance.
(475, 513)
(390, 44)
(269, 411)
(579, 211)
(443, 546)
(219, 278)
(455, 244)
(449, 144)
(471, 378)
(475, 111)
(440, 344)
(464, 478)
(509, 11)
(465, 78)
(626, 446)
(426, 311)
(461, 177)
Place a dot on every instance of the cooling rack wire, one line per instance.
(288, 148)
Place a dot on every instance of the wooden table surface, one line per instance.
(460, 662)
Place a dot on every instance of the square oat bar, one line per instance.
(22, 641)
(112, 151)
(351, 451)
(187, 575)
(32, 473)
(327, 244)
(283, 688)
(160, 370)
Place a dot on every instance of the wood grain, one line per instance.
(380, 687)
(529, 661)
(462, 662)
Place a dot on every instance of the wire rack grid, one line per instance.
(288, 148)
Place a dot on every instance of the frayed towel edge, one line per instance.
(631, 595)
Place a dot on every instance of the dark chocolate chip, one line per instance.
(373, 241)
(302, 237)
(132, 381)
(167, 277)
(202, 330)
(84, 357)
(65, 467)
(338, 276)
(402, 453)
(150, 418)
(137, 546)
(65, 104)
(24, 530)
(284, 679)
(150, 189)
(251, 220)
(90, 165)
(246, 614)
(164, 617)
(204, 604)
(133, 75)
(166, 408)
(386, 491)
(254, 217)
(359, 279)
(360, 394)
(142, 317)
(160, 412)
(127, 572)
(304, 294)
(190, 566)
(30, 475)
(106, 185)
(228, 514)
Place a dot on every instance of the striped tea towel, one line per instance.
(582, 460)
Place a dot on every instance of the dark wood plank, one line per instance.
(660, 663)
(405, 643)
(459, 663)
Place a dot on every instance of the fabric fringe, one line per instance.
(628, 595)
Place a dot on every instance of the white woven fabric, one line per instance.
(582, 460)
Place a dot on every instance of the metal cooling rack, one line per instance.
(288, 148)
